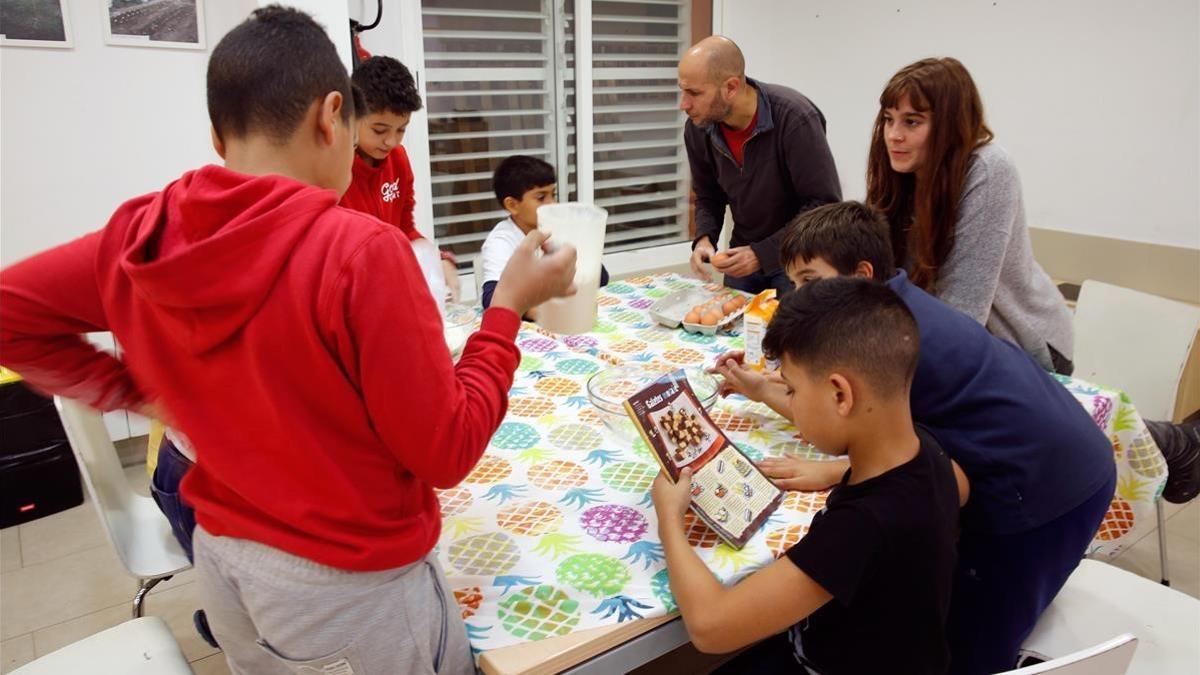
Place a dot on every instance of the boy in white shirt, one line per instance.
(522, 184)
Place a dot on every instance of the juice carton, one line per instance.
(756, 318)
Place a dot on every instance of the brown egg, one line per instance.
(692, 317)
(711, 318)
(719, 259)
(729, 307)
(739, 300)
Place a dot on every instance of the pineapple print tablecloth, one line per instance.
(554, 530)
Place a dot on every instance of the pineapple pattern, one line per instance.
(1117, 522)
(530, 406)
(553, 531)
(594, 574)
(684, 356)
(805, 502)
(1144, 456)
(612, 522)
(634, 477)
(779, 541)
(489, 470)
(491, 553)
(468, 599)
(537, 612)
(576, 437)
(557, 475)
(515, 436)
(577, 367)
(699, 534)
(530, 518)
(454, 501)
(557, 387)
(733, 423)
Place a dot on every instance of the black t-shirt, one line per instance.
(885, 550)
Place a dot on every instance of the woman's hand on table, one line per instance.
(671, 500)
(794, 473)
(528, 279)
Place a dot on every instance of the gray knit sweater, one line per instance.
(991, 275)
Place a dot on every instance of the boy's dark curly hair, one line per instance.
(386, 84)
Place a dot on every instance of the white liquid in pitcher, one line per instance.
(573, 315)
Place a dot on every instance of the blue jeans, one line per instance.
(760, 281)
(164, 487)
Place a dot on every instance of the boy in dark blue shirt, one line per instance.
(1042, 473)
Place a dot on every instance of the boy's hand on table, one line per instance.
(793, 473)
(671, 500)
(528, 279)
(739, 379)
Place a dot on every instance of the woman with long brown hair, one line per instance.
(953, 200)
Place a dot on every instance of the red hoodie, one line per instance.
(291, 340)
(385, 191)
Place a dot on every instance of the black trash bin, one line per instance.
(38, 473)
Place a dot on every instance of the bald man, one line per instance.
(758, 148)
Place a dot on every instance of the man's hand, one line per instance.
(700, 255)
(741, 261)
(793, 473)
(671, 500)
(450, 275)
(528, 280)
(739, 379)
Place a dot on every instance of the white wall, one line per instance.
(1096, 100)
(84, 129)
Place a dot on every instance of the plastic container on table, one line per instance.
(458, 321)
(608, 389)
(670, 310)
(430, 261)
(582, 226)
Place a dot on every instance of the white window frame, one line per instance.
(411, 52)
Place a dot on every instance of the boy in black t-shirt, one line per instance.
(867, 589)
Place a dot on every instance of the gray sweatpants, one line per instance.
(273, 612)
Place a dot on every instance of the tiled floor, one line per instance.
(61, 581)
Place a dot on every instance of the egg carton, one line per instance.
(670, 310)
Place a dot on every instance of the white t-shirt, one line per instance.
(499, 246)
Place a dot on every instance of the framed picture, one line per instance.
(177, 24)
(35, 23)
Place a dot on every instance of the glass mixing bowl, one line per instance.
(608, 389)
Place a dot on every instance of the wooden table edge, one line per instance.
(556, 654)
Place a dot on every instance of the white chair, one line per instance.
(1140, 344)
(136, 527)
(1134, 341)
(1107, 658)
(137, 647)
(1100, 600)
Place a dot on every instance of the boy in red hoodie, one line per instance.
(383, 177)
(295, 344)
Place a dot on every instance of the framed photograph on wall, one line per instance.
(35, 23)
(177, 24)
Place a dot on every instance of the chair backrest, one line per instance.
(1135, 342)
(142, 646)
(1111, 657)
(136, 528)
(1101, 600)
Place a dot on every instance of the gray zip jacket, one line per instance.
(787, 170)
